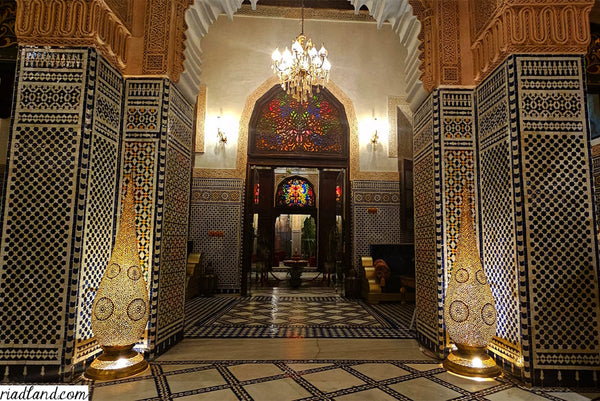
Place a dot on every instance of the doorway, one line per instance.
(298, 154)
(297, 231)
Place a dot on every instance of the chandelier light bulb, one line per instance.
(276, 56)
(286, 58)
(327, 67)
(297, 48)
(323, 51)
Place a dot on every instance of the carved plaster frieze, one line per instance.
(560, 27)
(165, 37)
(73, 23)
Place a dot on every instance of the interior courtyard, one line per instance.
(301, 242)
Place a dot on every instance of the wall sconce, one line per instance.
(221, 135)
(374, 137)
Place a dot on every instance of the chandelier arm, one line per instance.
(302, 17)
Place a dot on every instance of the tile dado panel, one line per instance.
(427, 225)
(101, 208)
(444, 157)
(64, 142)
(375, 215)
(559, 236)
(538, 221)
(173, 262)
(157, 151)
(498, 238)
(217, 206)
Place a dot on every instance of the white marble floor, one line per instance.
(300, 368)
(281, 369)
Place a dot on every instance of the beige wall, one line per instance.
(368, 66)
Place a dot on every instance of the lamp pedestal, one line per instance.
(471, 362)
(116, 362)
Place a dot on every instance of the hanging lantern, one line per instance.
(469, 310)
(120, 309)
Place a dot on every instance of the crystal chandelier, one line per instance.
(302, 68)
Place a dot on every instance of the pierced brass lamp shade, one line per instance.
(120, 309)
(469, 309)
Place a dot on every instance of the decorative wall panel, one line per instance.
(217, 205)
(560, 235)
(73, 23)
(44, 150)
(538, 232)
(375, 215)
(60, 207)
(427, 222)
(157, 152)
(596, 171)
(100, 210)
(173, 261)
(444, 161)
(498, 221)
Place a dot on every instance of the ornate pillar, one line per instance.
(157, 151)
(538, 240)
(79, 125)
(59, 213)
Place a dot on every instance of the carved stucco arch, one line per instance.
(242, 145)
(202, 14)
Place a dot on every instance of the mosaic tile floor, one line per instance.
(309, 369)
(295, 315)
(322, 367)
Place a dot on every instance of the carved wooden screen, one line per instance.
(282, 126)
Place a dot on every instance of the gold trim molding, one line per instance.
(200, 119)
(532, 26)
(73, 23)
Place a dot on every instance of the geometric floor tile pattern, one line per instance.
(282, 316)
(303, 368)
(282, 380)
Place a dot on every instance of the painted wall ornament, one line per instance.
(120, 308)
(469, 309)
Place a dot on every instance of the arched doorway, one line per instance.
(295, 146)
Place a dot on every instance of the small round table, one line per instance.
(296, 267)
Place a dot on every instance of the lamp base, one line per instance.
(116, 362)
(471, 362)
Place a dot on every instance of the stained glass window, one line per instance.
(286, 125)
(295, 192)
(256, 193)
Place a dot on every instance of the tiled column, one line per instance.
(59, 215)
(158, 127)
(444, 160)
(539, 241)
